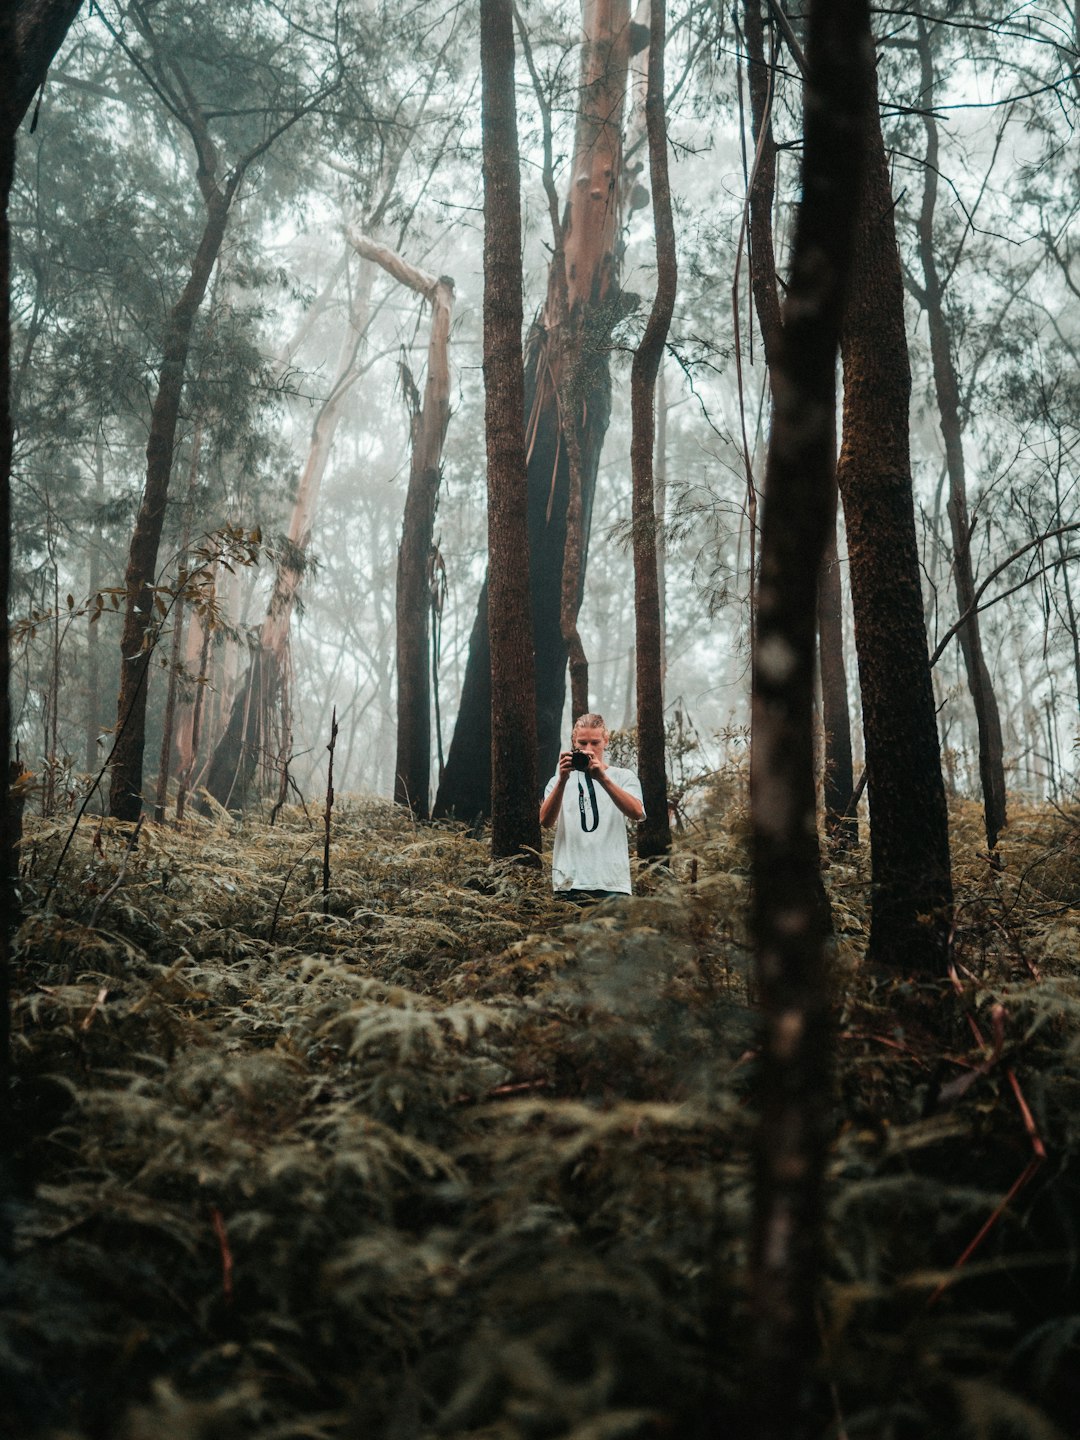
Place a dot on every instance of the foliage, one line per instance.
(456, 1159)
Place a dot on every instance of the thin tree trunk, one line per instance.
(660, 510)
(835, 717)
(93, 667)
(428, 422)
(589, 230)
(790, 912)
(178, 611)
(137, 640)
(912, 887)
(515, 823)
(9, 119)
(947, 387)
(236, 752)
(838, 779)
(654, 833)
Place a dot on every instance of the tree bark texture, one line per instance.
(39, 30)
(790, 913)
(838, 778)
(911, 899)
(947, 389)
(654, 833)
(136, 643)
(515, 824)
(8, 877)
(589, 231)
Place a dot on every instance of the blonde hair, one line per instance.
(590, 721)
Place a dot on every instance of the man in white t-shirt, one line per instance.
(591, 859)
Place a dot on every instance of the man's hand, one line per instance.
(549, 810)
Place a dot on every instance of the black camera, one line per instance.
(579, 759)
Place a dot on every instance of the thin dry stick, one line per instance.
(326, 814)
(131, 845)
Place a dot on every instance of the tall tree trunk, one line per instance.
(654, 834)
(589, 230)
(136, 643)
(9, 119)
(947, 388)
(176, 649)
(232, 765)
(39, 28)
(912, 887)
(428, 422)
(515, 823)
(836, 721)
(660, 508)
(789, 909)
(93, 646)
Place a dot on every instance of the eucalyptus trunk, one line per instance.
(790, 912)
(590, 230)
(947, 389)
(911, 898)
(654, 833)
(140, 614)
(515, 824)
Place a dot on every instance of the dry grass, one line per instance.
(454, 1159)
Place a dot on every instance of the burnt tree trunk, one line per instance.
(947, 388)
(136, 643)
(654, 833)
(911, 900)
(589, 230)
(790, 912)
(515, 824)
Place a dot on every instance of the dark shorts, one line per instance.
(591, 897)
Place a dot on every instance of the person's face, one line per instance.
(592, 741)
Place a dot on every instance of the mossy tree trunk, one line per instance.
(911, 901)
(589, 230)
(790, 912)
(515, 824)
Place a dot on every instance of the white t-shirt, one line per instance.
(585, 858)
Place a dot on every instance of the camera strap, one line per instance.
(581, 805)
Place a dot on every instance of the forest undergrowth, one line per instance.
(439, 1155)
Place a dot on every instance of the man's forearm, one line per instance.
(629, 804)
(549, 810)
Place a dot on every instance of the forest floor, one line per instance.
(445, 1156)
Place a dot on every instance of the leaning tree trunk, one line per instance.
(789, 909)
(137, 639)
(654, 834)
(947, 387)
(515, 824)
(590, 232)
(232, 765)
(912, 887)
(428, 422)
